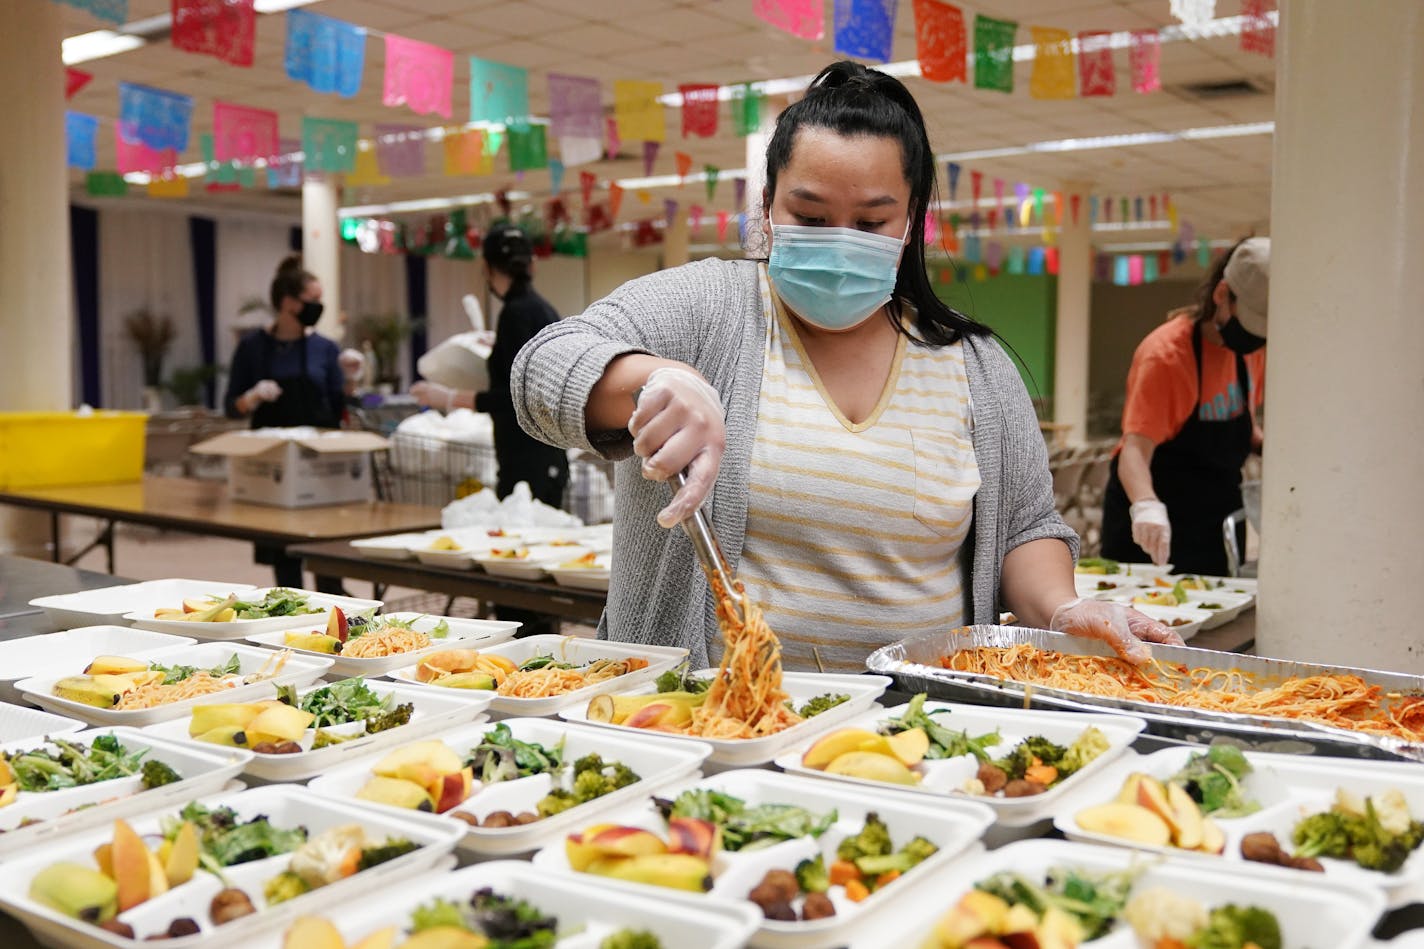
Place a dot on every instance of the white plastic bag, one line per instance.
(460, 362)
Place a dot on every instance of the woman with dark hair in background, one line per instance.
(288, 375)
(870, 458)
(1189, 421)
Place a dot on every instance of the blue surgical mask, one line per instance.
(835, 278)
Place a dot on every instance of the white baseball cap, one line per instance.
(1248, 274)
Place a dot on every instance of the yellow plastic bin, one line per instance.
(48, 449)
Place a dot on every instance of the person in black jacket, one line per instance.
(508, 257)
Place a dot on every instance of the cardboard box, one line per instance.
(296, 467)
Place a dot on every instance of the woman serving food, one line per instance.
(869, 457)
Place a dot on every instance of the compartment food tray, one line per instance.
(109, 605)
(18, 722)
(241, 628)
(32, 655)
(464, 634)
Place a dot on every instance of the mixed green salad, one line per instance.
(744, 826)
(350, 700)
(1213, 780)
(71, 765)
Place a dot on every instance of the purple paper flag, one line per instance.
(285, 170)
(154, 117)
(740, 190)
(575, 106)
(670, 211)
(994, 255)
(650, 155)
(400, 150)
(865, 28)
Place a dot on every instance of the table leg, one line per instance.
(54, 537)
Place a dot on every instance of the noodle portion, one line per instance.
(387, 641)
(1338, 700)
(151, 696)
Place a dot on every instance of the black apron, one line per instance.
(1197, 474)
(302, 402)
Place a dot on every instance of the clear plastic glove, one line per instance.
(433, 394)
(679, 425)
(1151, 530)
(352, 363)
(265, 391)
(1121, 627)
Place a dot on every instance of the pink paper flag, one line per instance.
(699, 109)
(803, 18)
(723, 218)
(136, 156)
(418, 75)
(1145, 57)
(1134, 270)
(243, 134)
(694, 215)
(931, 229)
(650, 155)
(614, 142)
(1096, 74)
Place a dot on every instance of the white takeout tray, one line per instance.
(1229, 605)
(946, 776)
(464, 634)
(587, 911)
(585, 578)
(432, 714)
(1195, 619)
(203, 771)
(285, 806)
(953, 826)
(18, 722)
(388, 546)
(1289, 788)
(656, 761)
(109, 605)
(298, 670)
(536, 566)
(566, 649)
(1087, 584)
(240, 628)
(800, 686)
(1311, 912)
(33, 655)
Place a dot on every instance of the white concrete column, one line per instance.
(1071, 329)
(1342, 536)
(36, 287)
(321, 247)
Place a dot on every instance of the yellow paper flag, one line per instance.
(637, 110)
(168, 187)
(981, 273)
(366, 172)
(1055, 73)
(644, 195)
(465, 153)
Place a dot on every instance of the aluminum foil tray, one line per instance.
(915, 666)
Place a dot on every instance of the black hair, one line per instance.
(507, 249)
(290, 281)
(1206, 306)
(850, 99)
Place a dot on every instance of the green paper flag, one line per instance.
(329, 144)
(994, 53)
(105, 184)
(1203, 251)
(746, 109)
(711, 171)
(1038, 204)
(528, 148)
(494, 141)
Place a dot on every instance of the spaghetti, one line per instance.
(1336, 700)
(386, 641)
(541, 683)
(156, 693)
(745, 699)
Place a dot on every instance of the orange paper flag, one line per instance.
(1054, 73)
(615, 198)
(465, 153)
(684, 164)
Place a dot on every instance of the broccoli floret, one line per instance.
(108, 743)
(556, 802)
(898, 862)
(1323, 834)
(1232, 926)
(435, 914)
(631, 939)
(622, 775)
(156, 774)
(812, 877)
(590, 784)
(374, 856)
(391, 718)
(284, 886)
(872, 841)
(1044, 750)
(919, 849)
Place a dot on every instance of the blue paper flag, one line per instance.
(1121, 273)
(1035, 261)
(79, 130)
(865, 28)
(498, 92)
(1092, 209)
(328, 55)
(115, 11)
(973, 252)
(154, 117)
(953, 169)
(1137, 208)
(556, 175)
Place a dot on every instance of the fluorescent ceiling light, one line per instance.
(96, 45)
(1114, 141)
(277, 6)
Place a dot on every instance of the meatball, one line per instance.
(1261, 847)
(992, 777)
(817, 906)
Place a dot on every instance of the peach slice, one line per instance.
(450, 790)
(872, 766)
(701, 838)
(1126, 822)
(1188, 818)
(313, 932)
(623, 841)
(1213, 840)
(830, 747)
(380, 939)
(130, 861)
(1128, 794)
(910, 746)
(976, 914)
(579, 853)
(1152, 794)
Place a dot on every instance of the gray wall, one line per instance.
(1121, 317)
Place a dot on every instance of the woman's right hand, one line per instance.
(679, 425)
(265, 391)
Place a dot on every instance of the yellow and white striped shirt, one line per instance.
(854, 531)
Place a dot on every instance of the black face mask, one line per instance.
(1237, 338)
(311, 312)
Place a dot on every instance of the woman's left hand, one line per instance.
(1118, 625)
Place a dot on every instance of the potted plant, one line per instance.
(187, 383)
(153, 335)
(385, 332)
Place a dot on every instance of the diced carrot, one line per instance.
(889, 876)
(1167, 942)
(843, 872)
(1044, 774)
(856, 891)
(636, 662)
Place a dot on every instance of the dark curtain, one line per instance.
(416, 302)
(203, 237)
(84, 252)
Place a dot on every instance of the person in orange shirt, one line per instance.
(1189, 422)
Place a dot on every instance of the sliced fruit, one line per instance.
(207, 717)
(622, 841)
(1126, 822)
(132, 871)
(380, 939)
(910, 746)
(692, 835)
(233, 735)
(197, 604)
(1128, 793)
(660, 715)
(101, 691)
(157, 876)
(1213, 840)
(678, 871)
(9, 794)
(396, 792)
(420, 763)
(181, 861)
(337, 625)
(872, 766)
(830, 747)
(445, 937)
(1152, 794)
(76, 891)
(114, 665)
(1187, 817)
(600, 709)
(313, 932)
(579, 853)
(279, 723)
(450, 790)
(313, 642)
(976, 914)
(7, 774)
(104, 857)
(467, 680)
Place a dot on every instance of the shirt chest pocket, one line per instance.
(946, 480)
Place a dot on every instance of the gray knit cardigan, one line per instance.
(709, 314)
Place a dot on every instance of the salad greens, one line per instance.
(631, 939)
(944, 742)
(747, 827)
(501, 757)
(1094, 900)
(225, 840)
(507, 923)
(350, 700)
(276, 602)
(680, 679)
(172, 674)
(1213, 780)
(440, 630)
(820, 703)
(1098, 565)
(73, 765)
(590, 778)
(544, 662)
